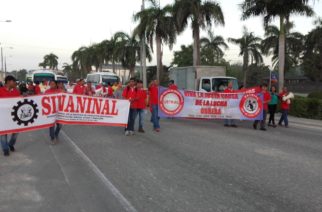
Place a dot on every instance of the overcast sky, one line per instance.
(40, 27)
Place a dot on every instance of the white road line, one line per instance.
(123, 201)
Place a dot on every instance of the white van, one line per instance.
(102, 78)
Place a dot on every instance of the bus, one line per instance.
(49, 75)
(105, 78)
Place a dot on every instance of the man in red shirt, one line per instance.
(129, 93)
(141, 104)
(89, 89)
(154, 104)
(266, 100)
(172, 86)
(285, 107)
(55, 129)
(37, 89)
(9, 90)
(79, 87)
(229, 122)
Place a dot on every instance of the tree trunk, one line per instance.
(245, 68)
(159, 57)
(196, 46)
(113, 65)
(281, 54)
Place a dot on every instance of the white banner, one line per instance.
(36, 112)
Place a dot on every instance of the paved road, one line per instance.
(189, 166)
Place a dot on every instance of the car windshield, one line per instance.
(109, 79)
(220, 84)
(43, 77)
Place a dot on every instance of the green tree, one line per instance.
(312, 59)
(212, 46)
(157, 24)
(130, 51)
(250, 46)
(202, 15)
(183, 57)
(282, 9)
(294, 46)
(82, 60)
(50, 61)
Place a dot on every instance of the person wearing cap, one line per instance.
(9, 90)
(172, 86)
(79, 88)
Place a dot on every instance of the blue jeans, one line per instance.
(140, 113)
(131, 120)
(155, 118)
(230, 122)
(4, 141)
(262, 122)
(284, 117)
(53, 133)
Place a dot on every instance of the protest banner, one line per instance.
(36, 112)
(246, 105)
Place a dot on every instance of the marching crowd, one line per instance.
(140, 99)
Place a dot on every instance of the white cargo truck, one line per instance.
(202, 78)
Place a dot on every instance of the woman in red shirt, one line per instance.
(129, 93)
(55, 129)
(141, 104)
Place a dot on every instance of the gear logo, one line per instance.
(25, 112)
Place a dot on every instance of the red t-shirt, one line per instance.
(130, 94)
(79, 89)
(37, 90)
(109, 91)
(51, 91)
(141, 96)
(267, 98)
(154, 95)
(4, 92)
(284, 105)
(173, 87)
(228, 90)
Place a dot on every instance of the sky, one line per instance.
(40, 27)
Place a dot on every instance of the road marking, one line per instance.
(123, 201)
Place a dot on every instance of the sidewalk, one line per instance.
(305, 122)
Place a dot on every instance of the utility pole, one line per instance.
(143, 55)
(5, 66)
(1, 59)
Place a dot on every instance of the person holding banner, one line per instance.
(9, 90)
(266, 100)
(229, 122)
(54, 130)
(154, 104)
(130, 93)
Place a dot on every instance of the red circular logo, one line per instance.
(171, 102)
(251, 105)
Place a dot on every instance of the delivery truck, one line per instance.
(202, 78)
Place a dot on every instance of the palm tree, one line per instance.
(202, 15)
(282, 9)
(250, 46)
(112, 48)
(214, 44)
(129, 51)
(82, 60)
(157, 24)
(312, 58)
(293, 42)
(51, 61)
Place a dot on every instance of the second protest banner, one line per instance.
(203, 105)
